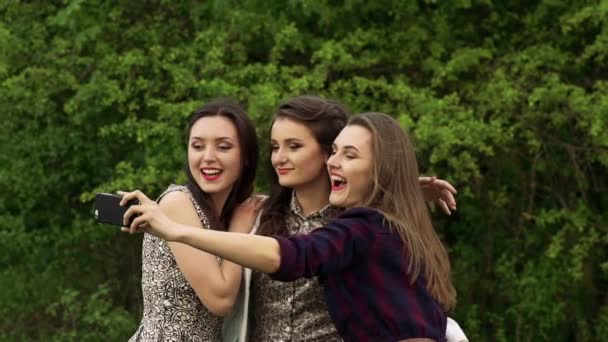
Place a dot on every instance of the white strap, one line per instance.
(235, 325)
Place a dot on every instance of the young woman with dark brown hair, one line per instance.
(185, 290)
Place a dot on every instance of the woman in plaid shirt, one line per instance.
(385, 273)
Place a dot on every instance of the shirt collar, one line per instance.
(296, 208)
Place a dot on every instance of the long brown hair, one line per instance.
(325, 118)
(248, 144)
(396, 193)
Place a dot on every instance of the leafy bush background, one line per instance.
(506, 99)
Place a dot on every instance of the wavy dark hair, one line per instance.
(248, 143)
(325, 118)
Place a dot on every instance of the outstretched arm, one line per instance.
(326, 249)
(257, 252)
(261, 253)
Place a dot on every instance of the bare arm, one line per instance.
(216, 285)
(324, 249)
(257, 252)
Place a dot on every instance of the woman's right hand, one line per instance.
(149, 217)
(245, 214)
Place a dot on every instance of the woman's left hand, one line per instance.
(149, 217)
(245, 214)
(440, 192)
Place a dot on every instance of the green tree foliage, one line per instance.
(506, 99)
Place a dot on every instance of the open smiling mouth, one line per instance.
(338, 183)
(211, 174)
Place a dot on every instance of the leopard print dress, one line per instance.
(172, 310)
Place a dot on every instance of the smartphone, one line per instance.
(108, 209)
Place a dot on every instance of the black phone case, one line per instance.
(108, 209)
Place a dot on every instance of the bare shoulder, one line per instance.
(175, 199)
(177, 205)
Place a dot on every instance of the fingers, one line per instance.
(448, 198)
(137, 194)
(126, 197)
(137, 225)
(140, 229)
(446, 185)
(258, 202)
(254, 202)
(437, 183)
(444, 207)
(132, 210)
(247, 204)
(451, 188)
(424, 180)
(142, 197)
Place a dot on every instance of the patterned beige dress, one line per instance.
(172, 310)
(293, 311)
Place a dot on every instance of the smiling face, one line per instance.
(214, 155)
(350, 167)
(296, 155)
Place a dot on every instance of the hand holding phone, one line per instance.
(108, 209)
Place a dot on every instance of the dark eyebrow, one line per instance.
(216, 139)
(290, 140)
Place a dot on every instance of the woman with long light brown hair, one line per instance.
(396, 194)
(385, 273)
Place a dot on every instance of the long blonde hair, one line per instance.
(396, 193)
